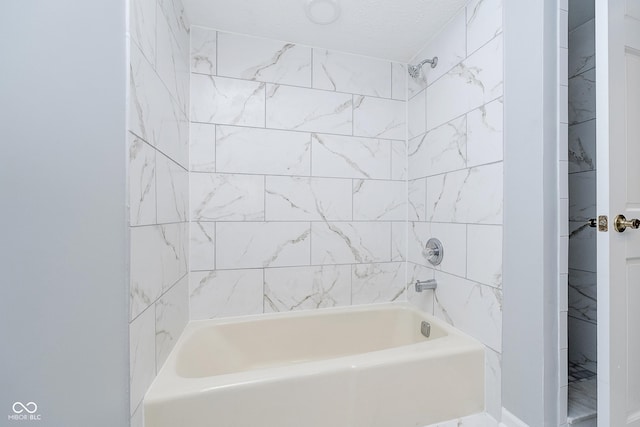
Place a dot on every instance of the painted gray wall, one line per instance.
(530, 316)
(63, 292)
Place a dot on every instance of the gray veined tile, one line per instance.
(203, 50)
(442, 149)
(582, 147)
(379, 200)
(307, 199)
(583, 343)
(202, 144)
(142, 182)
(295, 108)
(174, 11)
(172, 315)
(262, 151)
(399, 160)
(262, 244)
(582, 247)
(484, 22)
(582, 196)
(350, 242)
(352, 157)
(453, 238)
(378, 282)
(583, 295)
(485, 134)
(399, 241)
(417, 115)
(417, 199)
(582, 97)
(582, 48)
(309, 287)
(399, 77)
(379, 118)
(223, 293)
(172, 190)
(343, 72)
(227, 101)
(142, 26)
(484, 254)
(253, 58)
(228, 197)
(142, 363)
(172, 64)
(202, 246)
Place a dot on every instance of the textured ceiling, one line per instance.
(390, 29)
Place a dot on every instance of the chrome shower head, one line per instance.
(414, 70)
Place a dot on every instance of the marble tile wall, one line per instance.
(582, 189)
(158, 188)
(298, 193)
(455, 179)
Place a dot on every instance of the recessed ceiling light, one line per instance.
(322, 11)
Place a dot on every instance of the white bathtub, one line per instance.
(363, 366)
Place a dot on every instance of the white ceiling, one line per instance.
(389, 29)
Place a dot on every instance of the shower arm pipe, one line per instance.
(433, 61)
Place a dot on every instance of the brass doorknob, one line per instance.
(621, 223)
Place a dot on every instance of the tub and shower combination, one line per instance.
(381, 365)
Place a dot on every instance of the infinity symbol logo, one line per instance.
(19, 407)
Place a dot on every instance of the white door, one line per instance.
(618, 157)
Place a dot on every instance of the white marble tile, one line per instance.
(142, 182)
(582, 48)
(454, 241)
(172, 187)
(307, 199)
(350, 242)
(379, 200)
(484, 254)
(202, 143)
(142, 26)
(227, 101)
(202, 253)
(582, 196)
(582, 147)
(493, 383)
(399, 160)
(172, 64)
(262, 151)
(484, 134)
(450, 48)
(440, 150)
(583, 295)
(379, 118)
(142, 356)
(417, 115)
(154, 115)
(473, 308)
(472, 83)
(399, 241)
(294, 108)
(262, 244)
(417, 199)
(343, 72)
(265, 60)
(176, 16)
(484, 22)
(203, 50)
(470, 196)
(399, 76)
(583, 348)
(159, 258)
(423, 300)
(582, 246)
(350, 157)
(378, 282)
(227, 197)
(224, 293)
(303, 288)
(172, 315)
(582, 97)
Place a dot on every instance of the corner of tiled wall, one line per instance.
(158, 188)
(455, 174)
(298, 177)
